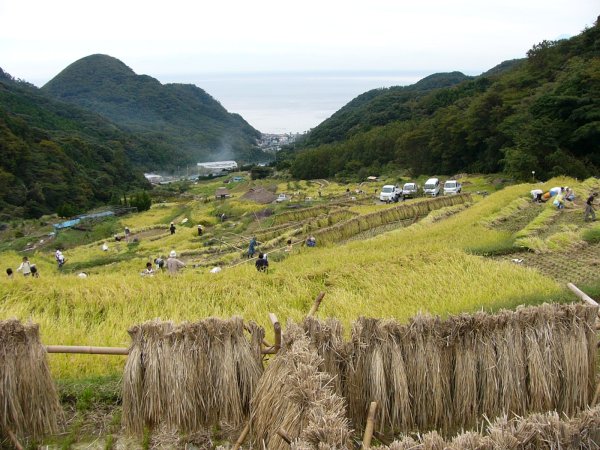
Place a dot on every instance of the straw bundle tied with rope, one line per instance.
(293, 395)
(28, 397)
(447, 375)
(537, 431)
(190, 376)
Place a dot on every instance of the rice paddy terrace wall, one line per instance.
(446, 375)
(355, 225)
(191, 376)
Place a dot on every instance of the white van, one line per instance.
(452, 187)
(432, 187)
(389, 193)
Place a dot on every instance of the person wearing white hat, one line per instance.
(174, 264)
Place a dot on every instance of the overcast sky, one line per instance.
(39, 38)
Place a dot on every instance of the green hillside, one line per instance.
(378, 107)
(190, 124)
(541, 114)
(56, 156)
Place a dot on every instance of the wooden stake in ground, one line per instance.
(315, 305)
(366, 443)
(242, 437)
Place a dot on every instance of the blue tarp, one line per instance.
(73, 222)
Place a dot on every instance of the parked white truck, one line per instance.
(452, 187)
(432, 187)
(390, 193)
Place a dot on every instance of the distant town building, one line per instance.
(153, 178)
(216, 167)
(272, 143)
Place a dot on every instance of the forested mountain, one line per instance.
(54, 156)
(541, 113)
(378, 107)
(190, 124)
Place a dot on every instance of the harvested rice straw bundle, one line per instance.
(463, 341)
(470, 441)
(400, 413)
(190, 376)
(28, 397)
(512, 364)
(293, 395)
(142, 386)
(488, 379)
(366, 376)
(587, 315)
(327, 338)
(546, 321)
(429, 372)
(588, 426)
(432, 441)
(187, 406)
(405, 443)
(327, 428)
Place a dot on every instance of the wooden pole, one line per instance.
(283, 435)
(277, 329)
(242, 437)
(316, 304)
(366, 443)
(87, 350)
(14, 439)
(582, 295)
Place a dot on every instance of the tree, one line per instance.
(141, 201)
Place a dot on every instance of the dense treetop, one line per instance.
(541, 113)
(56, 156)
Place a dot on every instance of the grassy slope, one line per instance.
(421, 268)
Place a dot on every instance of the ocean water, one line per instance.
(291, 102)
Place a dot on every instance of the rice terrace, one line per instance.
(429, 323)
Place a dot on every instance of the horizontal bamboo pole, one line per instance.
(582, 295)
(87, 350)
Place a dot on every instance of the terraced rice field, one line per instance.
(580, 264)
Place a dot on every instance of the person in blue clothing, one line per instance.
(252, 247)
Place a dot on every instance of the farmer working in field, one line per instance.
(173, 264)
(589, 207)
(252, 247)
(262, 265)
(25, 267)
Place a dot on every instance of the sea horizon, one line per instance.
(291, 102)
